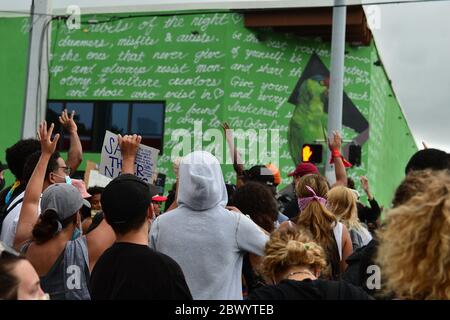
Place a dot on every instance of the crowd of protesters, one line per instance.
(312, 240)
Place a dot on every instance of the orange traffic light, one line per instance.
(312, 153)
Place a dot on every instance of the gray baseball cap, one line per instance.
(64, 199)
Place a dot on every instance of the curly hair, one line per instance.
(17, 155)
(289, 248)
(342, 202)
(256, 200)
(414, 251)
(415, 182)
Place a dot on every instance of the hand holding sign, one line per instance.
(125, 153)
(129, 146)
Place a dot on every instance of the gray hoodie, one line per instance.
(205, 239)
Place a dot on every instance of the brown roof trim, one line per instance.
(311, 22)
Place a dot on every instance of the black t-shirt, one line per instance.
(310, 290)
(128, 271)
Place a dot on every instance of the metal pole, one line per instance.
(336, 77)
(37, 71)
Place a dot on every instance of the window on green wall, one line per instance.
(93, 118)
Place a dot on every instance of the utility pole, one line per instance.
(335, 99)
(37, 70)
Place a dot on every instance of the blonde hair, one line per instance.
(315, 217)
(289, 248)
(414, 251)
(342, 202)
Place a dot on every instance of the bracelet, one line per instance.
(336, 153)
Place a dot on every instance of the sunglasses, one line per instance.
(67, 170)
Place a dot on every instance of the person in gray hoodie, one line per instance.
(202, 236)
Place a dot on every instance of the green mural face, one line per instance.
(309, 117)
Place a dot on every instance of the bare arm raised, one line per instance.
(30, 206)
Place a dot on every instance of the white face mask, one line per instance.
(67, 179)
(94, 213)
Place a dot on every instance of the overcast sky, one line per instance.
(414, 44)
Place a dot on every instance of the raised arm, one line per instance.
(102, 237)
(335, 147)
(129, 145)
(366, 187)
(375, 210)
(237, 162)
(30, 206)
(75, 154)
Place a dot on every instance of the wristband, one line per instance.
(335, 153)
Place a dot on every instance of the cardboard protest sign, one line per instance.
(97, 180)
(89, 166)
(111, 159)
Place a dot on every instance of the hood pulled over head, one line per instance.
(201, 183)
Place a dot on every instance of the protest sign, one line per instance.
(89, 166)
(111, 159)
(97, 180)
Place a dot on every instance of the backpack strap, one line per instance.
(7, 211)
(11, 207)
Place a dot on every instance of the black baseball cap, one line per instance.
(125, 198)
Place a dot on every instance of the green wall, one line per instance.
(209, 67)
(13, 63)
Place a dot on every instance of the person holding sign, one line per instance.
(130, 269)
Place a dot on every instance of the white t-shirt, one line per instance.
(9, 226)
(365, 235)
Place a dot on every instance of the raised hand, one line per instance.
(48, 146)
(335, 142)
(364, 183)
(67, 121)
(225, 126)
(129, 145)
(176, 166)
